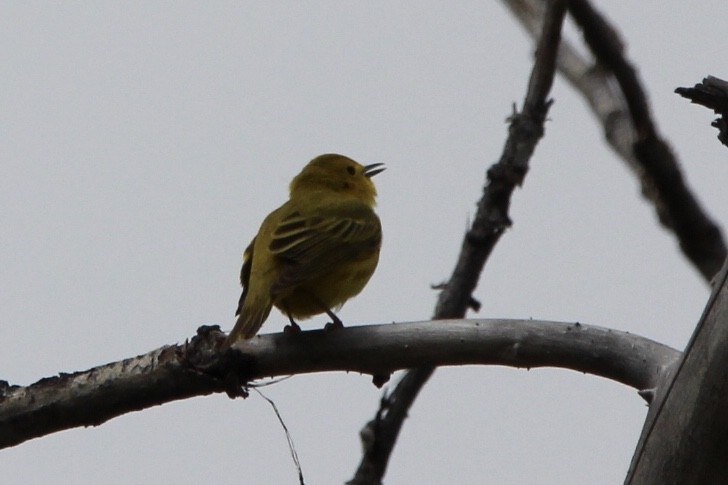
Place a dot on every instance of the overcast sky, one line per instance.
(142, 143)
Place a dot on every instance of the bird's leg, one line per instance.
(335, 322)
(293, 328)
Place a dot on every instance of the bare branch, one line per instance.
(170, 373)
(91, 397)
(595, 84)
(711, 93)
(614, 92)
(700, 238)
(491, 219)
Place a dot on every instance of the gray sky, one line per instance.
(143, 143)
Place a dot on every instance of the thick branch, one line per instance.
(684, 436)
(92, 397)
(491, 220)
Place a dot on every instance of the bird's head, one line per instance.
(339, 174)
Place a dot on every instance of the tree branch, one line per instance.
(684, 436)
(711, 93)
(175, 372)
(616, 97)
(491, 220)
(700, 238)
(594, 83)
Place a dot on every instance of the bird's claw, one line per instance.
(333, 326)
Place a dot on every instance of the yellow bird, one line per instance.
(315, 251)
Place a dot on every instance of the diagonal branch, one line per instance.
(593, 82)
(700, 238)
(91, 397)
(615, 95)
(491, 220)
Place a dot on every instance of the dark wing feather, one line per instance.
(245, 274)
(309, 246)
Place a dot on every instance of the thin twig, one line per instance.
(289, 439)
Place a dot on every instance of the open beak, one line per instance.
(374, 168)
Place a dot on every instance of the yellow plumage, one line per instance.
(315, 251)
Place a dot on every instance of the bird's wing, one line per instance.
(309, 245)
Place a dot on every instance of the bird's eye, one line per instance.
(351, 170)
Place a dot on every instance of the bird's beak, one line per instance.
(372, 169)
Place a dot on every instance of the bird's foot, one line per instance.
(333, 326)
(335, 322)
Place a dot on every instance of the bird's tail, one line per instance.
(252, 315)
